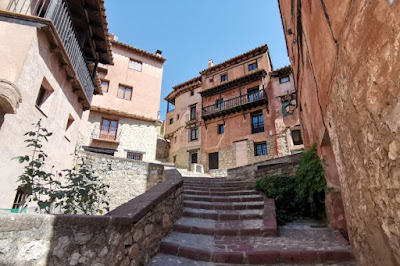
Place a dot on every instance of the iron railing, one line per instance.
(58, 12)
(234, 102)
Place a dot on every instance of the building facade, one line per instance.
(346, 67)
(48, 73)
(183, 124)
(244, 113)
(124, 120)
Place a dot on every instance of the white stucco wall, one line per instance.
(33, 64)
(134, 135)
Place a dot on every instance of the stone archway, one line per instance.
(10, 98)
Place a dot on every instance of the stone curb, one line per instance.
(257, 257)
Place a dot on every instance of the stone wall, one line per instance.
(127, 178)
(129, 235)
(162, 150)
(280, 166)
(348, 89)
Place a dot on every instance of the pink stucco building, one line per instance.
(47, 72)
(124, 121)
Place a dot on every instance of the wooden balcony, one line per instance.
(243, 102)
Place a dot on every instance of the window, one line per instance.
(135, 65)
(174, 159)
(284, 79)
(220, 103)
(177, 117)
(104, 85)
(125, 93)
(43, 95)
(260, 149)
(20, 198)
(296, 137)
(211, 80)
(108, 129)
(191, 93)
(194, 157)
(171, 121)
(192, 113)
(175, 139)
(194, 134)
(257, 122)
(134, 156)
(253, 66)
(253, 94)
(221, 129)
(224, 77)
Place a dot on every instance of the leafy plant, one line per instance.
(84, 192)
(35, 180)
(283, 190)
(298, 196)
(311, 182)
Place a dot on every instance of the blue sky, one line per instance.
(191, 32)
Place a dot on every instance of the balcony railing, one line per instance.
(241, 101)
(58, 12)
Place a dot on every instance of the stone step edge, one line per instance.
(243, 192)
(257, 257)
(216, 189)
(265, 231)
(221, 216)
(215, 199)
(231, 207)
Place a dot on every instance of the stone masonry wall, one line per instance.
(346, 58)
(162, 150)
(127, 178)
(129, 235)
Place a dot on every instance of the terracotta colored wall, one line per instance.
(26, 61)
(180, 128)
(347, 72)
(146, 85)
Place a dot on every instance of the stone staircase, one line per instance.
(227, 222)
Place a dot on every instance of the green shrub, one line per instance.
(311, 183)
(297, 196)
(283, 190)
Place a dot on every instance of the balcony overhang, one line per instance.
(257, 75)
(90, 22)
(123, 114)
(234, 108)
(57, 47)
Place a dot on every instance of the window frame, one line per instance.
(171, 121)
(219, 103)
(260, 124)
(299, 135)
(136, 61)
(251, 66)
(193, 115)
(135, 156)
(125, 88)
(253, 94)
(196, 135)
(219, 127)
(282, 79)
(264, 150)
(109, 127)
(191, 93)
(108, 85)
(224, 77)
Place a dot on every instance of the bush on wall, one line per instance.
(298, 196)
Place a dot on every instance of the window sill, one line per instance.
(106, 140)
(41, 111)
(296, 147)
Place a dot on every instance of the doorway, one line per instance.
(213, 160)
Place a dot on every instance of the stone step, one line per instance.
(169, 260)
(223, 215)
(244, 198)
(216, 188)
(225, 228)
(224, 205)
(226, 183)
(221, 193)
(225, 187)
(254, 250)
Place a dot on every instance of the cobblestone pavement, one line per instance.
(225, 222)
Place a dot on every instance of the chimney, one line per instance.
(158, 53)
(210, 63)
